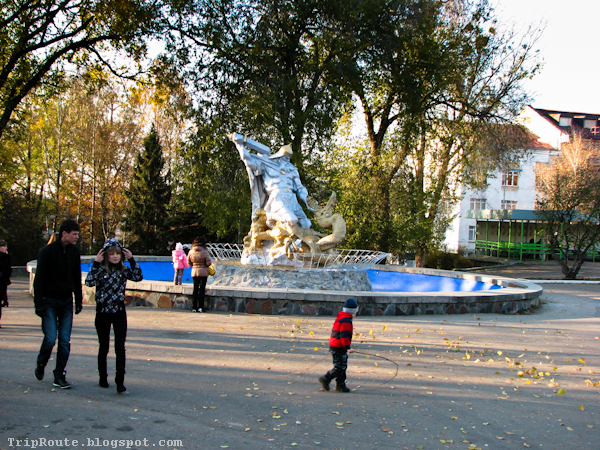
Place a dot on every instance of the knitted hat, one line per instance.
(179, 246)
(111, 242)
(350, 306)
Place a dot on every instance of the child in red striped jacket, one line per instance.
(339, 346)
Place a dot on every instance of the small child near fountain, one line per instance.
(339, 346)
(179, 263)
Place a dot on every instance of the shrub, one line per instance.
(446, 261)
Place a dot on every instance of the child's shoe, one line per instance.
(324, 382)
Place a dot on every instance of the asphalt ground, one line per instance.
(238, 381)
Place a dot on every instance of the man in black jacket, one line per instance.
(57, 278)
(5, 272)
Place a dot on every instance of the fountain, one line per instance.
(286, 267)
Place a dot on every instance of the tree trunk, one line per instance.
(420, 259)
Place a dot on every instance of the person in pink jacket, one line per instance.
(199, 259)
(179, 263)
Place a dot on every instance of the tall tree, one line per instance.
(266, 67)
(148, 196)
(36, 37)
(429, 80)
(569, 202)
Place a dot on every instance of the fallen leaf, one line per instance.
(581, 407)
(561, 392)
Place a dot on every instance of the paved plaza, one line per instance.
(238, 381)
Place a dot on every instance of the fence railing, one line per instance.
(340, 258)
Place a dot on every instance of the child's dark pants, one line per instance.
(340, 364)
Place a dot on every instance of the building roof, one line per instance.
(587, 125)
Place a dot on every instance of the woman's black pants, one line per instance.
(103, 323)
(199, 291)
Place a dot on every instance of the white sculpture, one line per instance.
(274, 183)
(280, 227)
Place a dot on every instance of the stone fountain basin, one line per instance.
(313, 296)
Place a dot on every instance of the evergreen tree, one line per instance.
(148, 196)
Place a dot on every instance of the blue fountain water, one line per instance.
(381, 281)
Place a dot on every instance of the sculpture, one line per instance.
(280, 228)
(275, 178)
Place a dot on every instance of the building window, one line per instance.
(565, 121)
(472, 233)
(477, 204)
(509, 204)
(510, 177)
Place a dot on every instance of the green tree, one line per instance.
(266, 68)
(148, 196)
(569, 202)
(431, 82)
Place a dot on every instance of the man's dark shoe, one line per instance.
(342, 388)
(324, 382)
(61, 382)
(121, 387)
(39, 372)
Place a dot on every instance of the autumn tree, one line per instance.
(37, 40)
(569, 203)
(148, 197)
(431, 83)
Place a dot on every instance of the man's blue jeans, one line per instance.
(57, 321)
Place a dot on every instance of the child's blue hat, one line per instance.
(350, 306)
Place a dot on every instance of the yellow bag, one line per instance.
(211, 270)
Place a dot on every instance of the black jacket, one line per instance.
(5, 269)
(58, 275)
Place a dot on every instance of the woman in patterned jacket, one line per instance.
(109, 274)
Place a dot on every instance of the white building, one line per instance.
(504, 211)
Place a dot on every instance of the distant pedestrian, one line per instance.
(339, 346)
(57, 279)
(180, 263)
(170, 246)
(109, 274)
(199, 260)
(5, 273)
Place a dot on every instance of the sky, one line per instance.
(570, 48)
